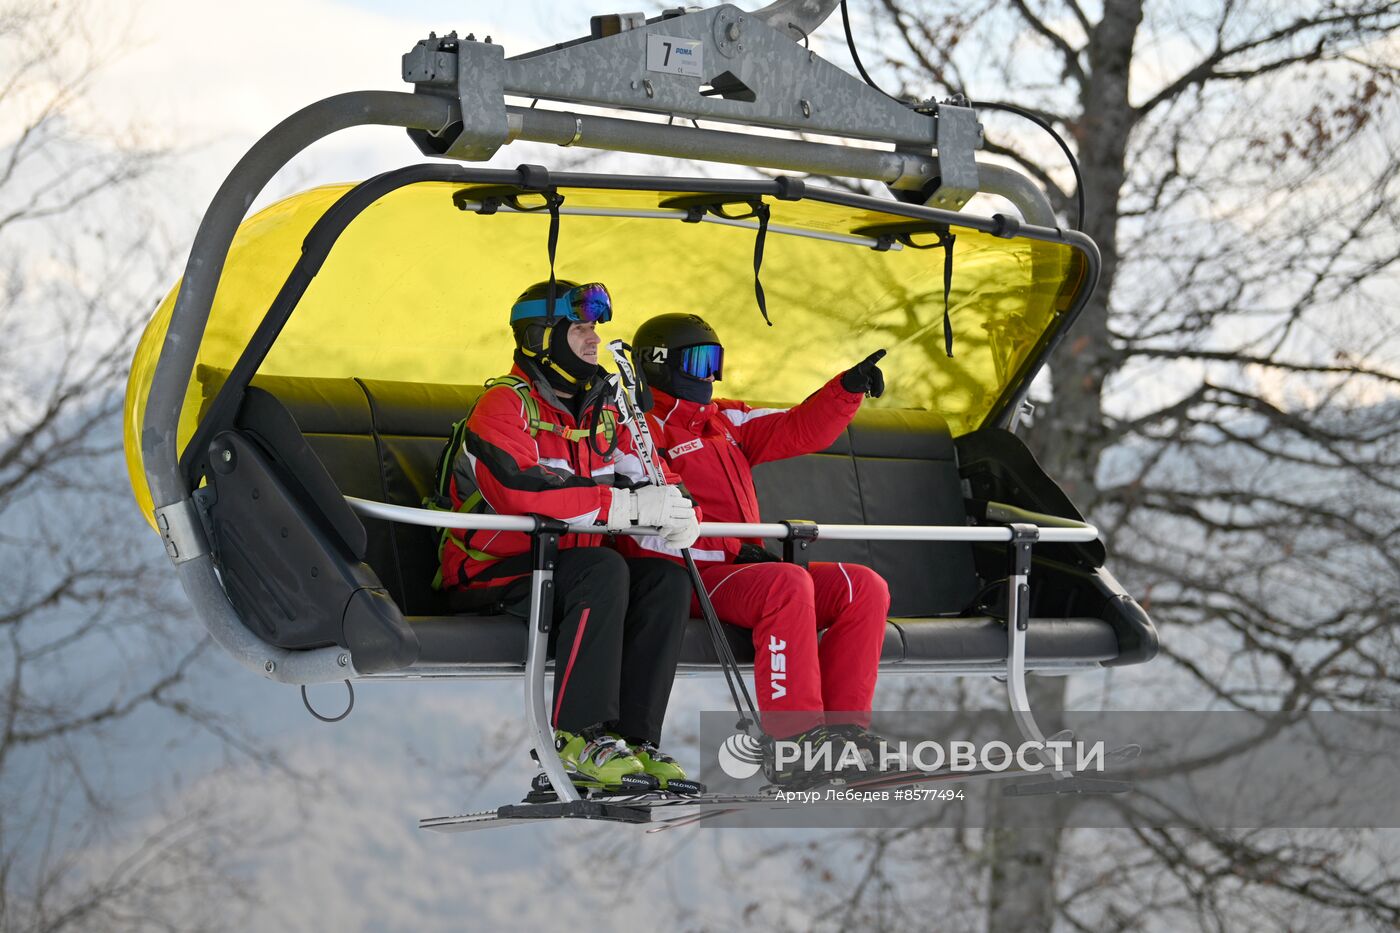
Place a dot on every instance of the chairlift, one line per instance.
(290, 396)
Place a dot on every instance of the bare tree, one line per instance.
(93, 661)
(1225, 408)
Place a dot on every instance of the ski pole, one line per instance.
(633, 416)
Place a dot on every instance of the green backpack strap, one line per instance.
(607, 425)
(527, 399)
(441, 497)
(446, 537)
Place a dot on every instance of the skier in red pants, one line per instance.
(806, 689)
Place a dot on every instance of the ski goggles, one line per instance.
(586, 304)
(702, 360)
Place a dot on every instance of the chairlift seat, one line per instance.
(381, 440)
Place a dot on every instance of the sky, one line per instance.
(216, 76)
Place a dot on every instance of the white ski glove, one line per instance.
(681, 533)
(661, 507)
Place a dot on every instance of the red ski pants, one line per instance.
(800, 681)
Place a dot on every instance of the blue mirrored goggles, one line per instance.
(586, 304)
(702, 360)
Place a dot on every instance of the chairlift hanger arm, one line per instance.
(755, 72)
(763, 64)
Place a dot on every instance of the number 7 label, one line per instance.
(670, 55)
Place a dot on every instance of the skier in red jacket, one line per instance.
(545, 440)
(807, 689)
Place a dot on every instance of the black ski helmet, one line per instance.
(530, 335)
(658, 343)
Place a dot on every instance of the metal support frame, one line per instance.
(797, 18)
(899, 169)
(196, 571)
(545, 553)
(182, 531)
(774, 82)
(1018, 614)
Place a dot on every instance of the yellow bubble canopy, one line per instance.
(419, 284)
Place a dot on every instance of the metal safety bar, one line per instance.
(1071, 533)
(1020, 537)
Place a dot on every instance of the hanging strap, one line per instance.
(945, 240)
(697, 206)
(760, 210)
(554, 199)
(602, 420)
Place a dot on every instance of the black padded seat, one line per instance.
(475, 639)
(412, 422)
(978, 639)
(335, 418)
(890, 467)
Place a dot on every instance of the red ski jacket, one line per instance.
(714, 448)
(506, 468)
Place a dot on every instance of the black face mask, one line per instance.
(565, 371)
(691, 389)
(566, 359)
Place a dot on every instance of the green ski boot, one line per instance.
(599, 761)
(665, 769)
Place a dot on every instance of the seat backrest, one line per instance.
(890, 467)
(381, 440)
(412, 421)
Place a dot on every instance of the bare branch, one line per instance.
(1335, 28)
(1068, 54)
